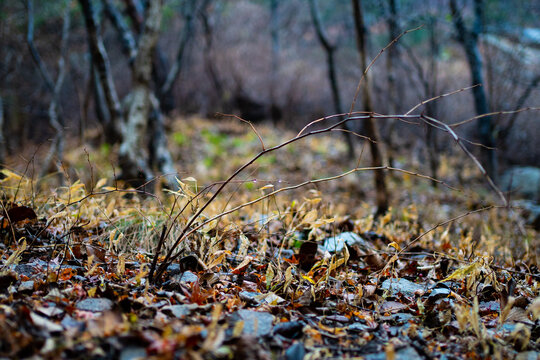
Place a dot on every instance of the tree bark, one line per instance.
(56, 150)
(187, 34)
(135, 11)
(114, 128)
(469, 40)
(2, 140)
(330, 50)
(208, 61)
(132, 156)
(391, 61)
(382, 196)
(274, 60)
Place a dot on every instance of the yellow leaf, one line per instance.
(243, 264)
(269, 276)
(395, 245)
(305, 277)
(244, 245)
(190, 179)
(101, 183)
(92, 291)
(121, 266)
(463, 272)
(288, 278)
(310, 217)
(10, 175)
(269, 186)
(386, 218)
(217, 260)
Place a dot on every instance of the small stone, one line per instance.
(95, 304)
(359, 327)
(337, 243)
(295, 352)
(402, 286)
(187, 277)
(178, 311)
(255, 322)
(133, 353)
(27, 286)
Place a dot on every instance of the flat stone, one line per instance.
(401, 286)
(522, 181)
(438, 293)
(187, 277)
(68, 323)
(392, 306)
(178, 311)
(26, 286)
(256, 323)
(133, 353)
(359, 327)
(336, 244)
(295, 352)
(406, 353)
(95, 304)
(528, 355)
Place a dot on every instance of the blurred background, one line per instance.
(282, 62)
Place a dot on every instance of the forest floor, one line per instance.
(308, 273)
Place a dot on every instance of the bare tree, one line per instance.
(274, 66)
(391, 61)
(330, 50)
(188, 11)
(369, 125)
(141, 105)
(427, 76)
(2, 140)
(56, 120)
(468, 37)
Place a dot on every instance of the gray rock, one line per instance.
(133, 353)
(187, 277)
(295, 352)
(95, 304)
(403, 286)
(178, 311)
(256, 323)
(359, 327)
(522, 182)
(528, 355)
(337, 243)
(406, 353)
(26, 286)
(438, 293)
(250, 297)
(68, 323)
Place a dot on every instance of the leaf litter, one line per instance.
(305, 275)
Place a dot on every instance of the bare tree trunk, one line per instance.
(431, 107)
(187, 34)
(159, 156)
(103, 80)
(369, 124)
(132, 156)
(469, 40)
(135, 10)
(56, 151)
(208, 61)
(274, 66)
(2, 140)
(330, 50)
(391, 60)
